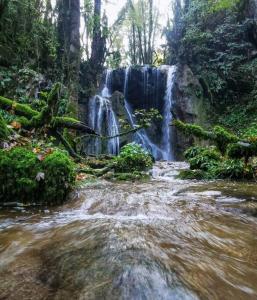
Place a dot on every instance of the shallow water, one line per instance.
(165, 239)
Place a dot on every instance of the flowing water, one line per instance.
(164, 239)
(103, 120)
(168, 103)
(141, 136)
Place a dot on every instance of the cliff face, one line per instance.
(189, 105)
(143, 88)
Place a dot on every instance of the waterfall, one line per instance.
(167, 115)
(103, 120)
(150, 88)
(140, 135)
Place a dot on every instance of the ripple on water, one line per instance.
(165, 239)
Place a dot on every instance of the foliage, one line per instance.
(27, 33)
(4, 132)
(223, 138)
(217, 40)
(230, 159)
(192, 129)
(28, 178)
(209, 164)
(204, 159)
(219, 135)
(139, 19)
(232, 169)
(133, 158)
(242, 150)
(194, 151)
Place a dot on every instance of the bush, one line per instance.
(202, 158)
(207, 163)
(233, 169)
(24, 178)
(193, 152)
(133, 158)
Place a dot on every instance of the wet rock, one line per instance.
(188, 107)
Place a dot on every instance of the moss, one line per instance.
(135, 176)
(20, 109)
(192, 174)
(24, 178)
(4, 132)
(192, 129)
(59, 121)
(59, 177)
(223, 138)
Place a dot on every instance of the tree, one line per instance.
(69, 46)
(96, 32)
(140, 18)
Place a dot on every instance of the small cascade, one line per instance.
(103, 120)
(140, 136)
(167, 115)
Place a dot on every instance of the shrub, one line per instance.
(194, 151)
(204, 158)
(233, 169)
(24, 178)
(133, 158)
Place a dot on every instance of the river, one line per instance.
(163, 239)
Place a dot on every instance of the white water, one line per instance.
(167, 116)
(158, 240)
(141, 136)
(101, 115)
(103, 119)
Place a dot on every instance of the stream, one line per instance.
(163, 239)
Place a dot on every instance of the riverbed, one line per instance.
(162, 239)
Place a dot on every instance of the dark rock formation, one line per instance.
(188, 106)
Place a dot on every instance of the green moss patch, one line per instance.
(26, 178)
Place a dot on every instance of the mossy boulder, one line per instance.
(24, 178)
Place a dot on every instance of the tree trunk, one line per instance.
(69, 46)
(150, 51)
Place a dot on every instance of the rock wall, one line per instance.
(145, 89)
(189, 106)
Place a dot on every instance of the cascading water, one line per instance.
(103, 120)
(167, 115)
(141, 135)
(144, 88)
